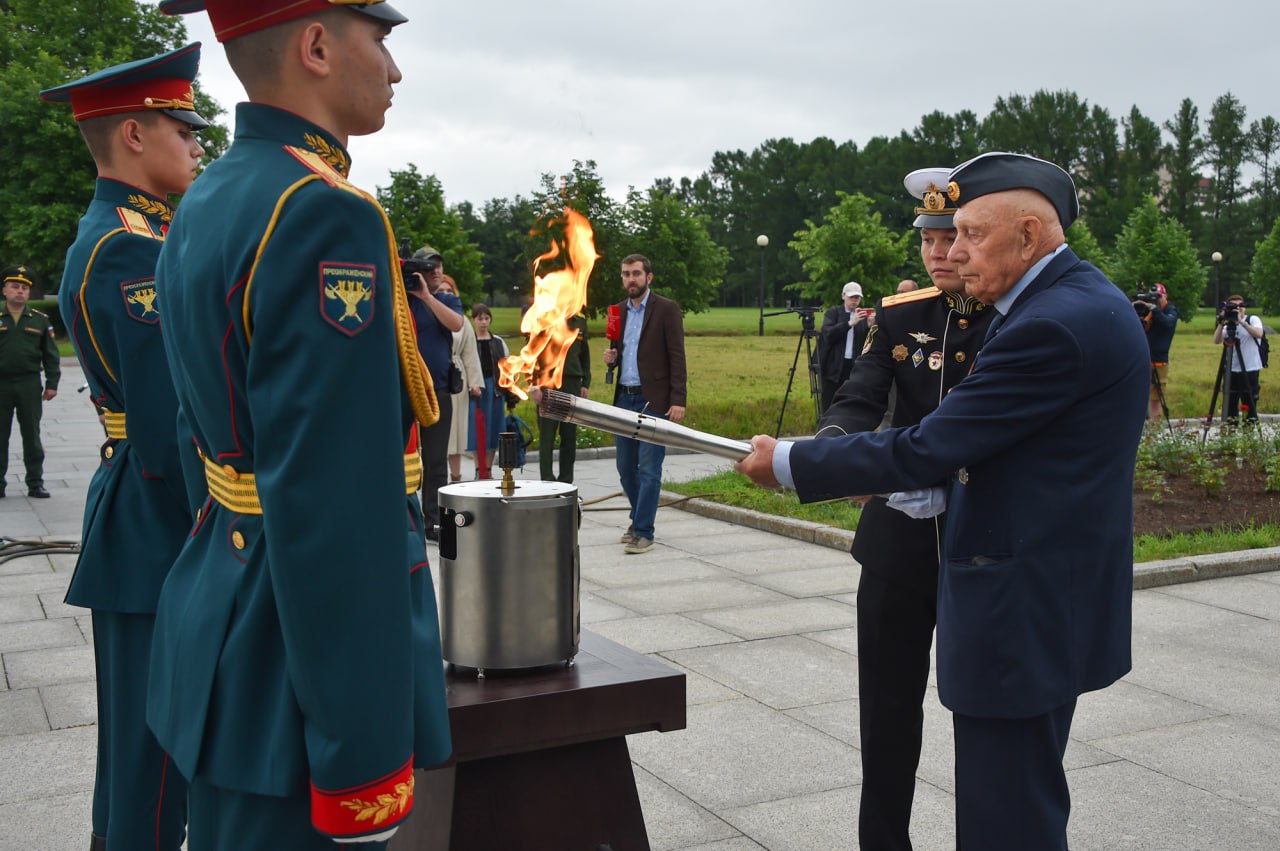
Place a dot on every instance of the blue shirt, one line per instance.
(630, 374)
(435, 342)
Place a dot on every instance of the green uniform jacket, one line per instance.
(27, 345)
(136, 514)
(296, 651)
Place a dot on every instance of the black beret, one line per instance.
(999, 171)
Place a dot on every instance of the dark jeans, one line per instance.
(435, 459)
(1243, 392)
(22, 396)
(640, 469)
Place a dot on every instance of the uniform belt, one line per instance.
(239, 490)
(115, 425)
(633, 389)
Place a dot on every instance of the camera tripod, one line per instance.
(1230, 343)
(1164, 406)
(807, 334)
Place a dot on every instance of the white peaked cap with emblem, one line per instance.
(934, 209)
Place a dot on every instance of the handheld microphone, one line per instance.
(612, 333)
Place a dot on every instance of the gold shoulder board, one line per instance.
(136, 223)
(914, 295)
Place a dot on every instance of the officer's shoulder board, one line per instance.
(907, 298)
(137, 224)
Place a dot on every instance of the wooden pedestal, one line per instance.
(540, 757)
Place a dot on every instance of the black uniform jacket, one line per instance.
(923, 344)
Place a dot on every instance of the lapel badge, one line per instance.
(917, 358)
(935, 361)
(140, 300)
(346, 296)
(921, 337)
(899, 352)
(962, 475)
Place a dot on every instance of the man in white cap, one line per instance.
(844, 330)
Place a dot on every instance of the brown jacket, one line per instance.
(660, 357)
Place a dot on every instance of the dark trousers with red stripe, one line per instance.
(139, 798)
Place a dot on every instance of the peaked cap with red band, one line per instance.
(161, 82)
(234, 18)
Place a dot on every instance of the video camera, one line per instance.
(805, 313)
(1229, 313)
(410, 266)
(1150, 296)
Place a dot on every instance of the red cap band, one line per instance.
(92, 102)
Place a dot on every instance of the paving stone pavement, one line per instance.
(1178, 756)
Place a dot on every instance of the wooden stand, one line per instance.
(540, 757)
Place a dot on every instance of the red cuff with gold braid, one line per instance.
(370, 808)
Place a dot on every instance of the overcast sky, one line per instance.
(496, 92)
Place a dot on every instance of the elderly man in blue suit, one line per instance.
(1032, 456)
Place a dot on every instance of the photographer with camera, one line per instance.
(436, 315)
(1246, 360)
(844, 330)
(1159, 319)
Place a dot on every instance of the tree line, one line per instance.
(1158, 198)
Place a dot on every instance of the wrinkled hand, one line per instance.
(359, 840)
(675, 413)
(758, 466)
(927, 502)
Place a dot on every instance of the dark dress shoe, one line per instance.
(38, 492)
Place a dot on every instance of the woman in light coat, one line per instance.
(467, 360)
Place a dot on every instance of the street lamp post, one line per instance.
(1216, 257)
(763, 242)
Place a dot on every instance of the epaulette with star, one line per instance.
(914, 295)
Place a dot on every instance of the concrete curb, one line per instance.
(1151, 574)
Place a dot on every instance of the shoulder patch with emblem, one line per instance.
(140, 300)
(346, 295)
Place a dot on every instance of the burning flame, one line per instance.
(557, 297)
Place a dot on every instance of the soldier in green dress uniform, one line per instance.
(138, 121)
(26, 346)
(296, 676)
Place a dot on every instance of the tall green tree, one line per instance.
(1140, 159)
(688, 265)
(501, 230)
(1182, 160)
(1264, 274)
(1086, 247)
(1155, 248)
(1264, 139)
(1227, 147)
(582, 189)
(416, 207)
(1049, 125)
(1099, 176)
(851, 244)
(48, 177)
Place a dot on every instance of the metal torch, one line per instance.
(566, 407)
